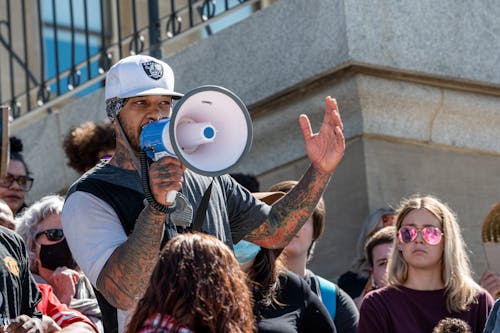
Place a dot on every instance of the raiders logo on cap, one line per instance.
(153, 69)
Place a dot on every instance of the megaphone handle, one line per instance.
(171, 196)
(147, 191)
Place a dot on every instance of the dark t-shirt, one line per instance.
(352, 283)
(405, 310)
(19, 293)
(346, 313)
(301, 310)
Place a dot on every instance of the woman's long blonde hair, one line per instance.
(461, 289)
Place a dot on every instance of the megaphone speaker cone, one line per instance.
(218, 119)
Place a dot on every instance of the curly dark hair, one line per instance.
(198, 282)
(452, 325)
(82, 144)
(16, 149)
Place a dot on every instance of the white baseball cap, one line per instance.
(140, 75)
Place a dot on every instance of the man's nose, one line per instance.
(157, 113)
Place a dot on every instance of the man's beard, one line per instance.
(132, 137)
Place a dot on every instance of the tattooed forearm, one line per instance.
(290, 213)
(125, 275)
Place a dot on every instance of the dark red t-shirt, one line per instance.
(405, 310)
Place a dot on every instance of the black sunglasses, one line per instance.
(53, 235)
(24, 182)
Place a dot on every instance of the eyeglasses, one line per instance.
(431, 235)
(24, 182)
(53, 235)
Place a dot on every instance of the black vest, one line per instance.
(127, 204)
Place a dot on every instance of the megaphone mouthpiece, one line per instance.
(191, 135)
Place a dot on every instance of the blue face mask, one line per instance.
(245, 251)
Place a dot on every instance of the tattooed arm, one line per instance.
(325, 150)
(126, 274)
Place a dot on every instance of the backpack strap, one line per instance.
(202, 209)
(328, 295)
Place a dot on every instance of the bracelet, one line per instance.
(159, 207)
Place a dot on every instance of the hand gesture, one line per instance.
(491, 282)
(166, 175)
(49, 325)
(64, 282)
(24, 324)
(325, 148)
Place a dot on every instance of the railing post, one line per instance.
(154, 30)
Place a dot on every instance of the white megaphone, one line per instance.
(210, 131)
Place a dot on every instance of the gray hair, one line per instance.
(28, 221)
(371, 224)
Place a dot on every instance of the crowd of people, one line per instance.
(115, 254)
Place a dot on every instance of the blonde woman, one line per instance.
(429, 276)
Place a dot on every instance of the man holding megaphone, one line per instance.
(118, 215)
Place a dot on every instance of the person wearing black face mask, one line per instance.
(51, 260)
(53, 256)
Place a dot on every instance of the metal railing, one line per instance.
(51, 50)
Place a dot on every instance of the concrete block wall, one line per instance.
(418, 91)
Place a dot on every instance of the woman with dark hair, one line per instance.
(196, 286)
(283, 302)
(88, 144)
(299, 252)
(17, 183)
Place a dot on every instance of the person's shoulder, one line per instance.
(12, 243)
(108, 173)
(325, 282)
(381, 301)
(384, 293)
(484, 297)
(292, 281)
(10, 235)
(105, 170)
(291, 278)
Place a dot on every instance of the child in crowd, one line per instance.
(452, 325)
(355, 280)
(378, 249)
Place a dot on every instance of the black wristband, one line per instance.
(159, 207)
